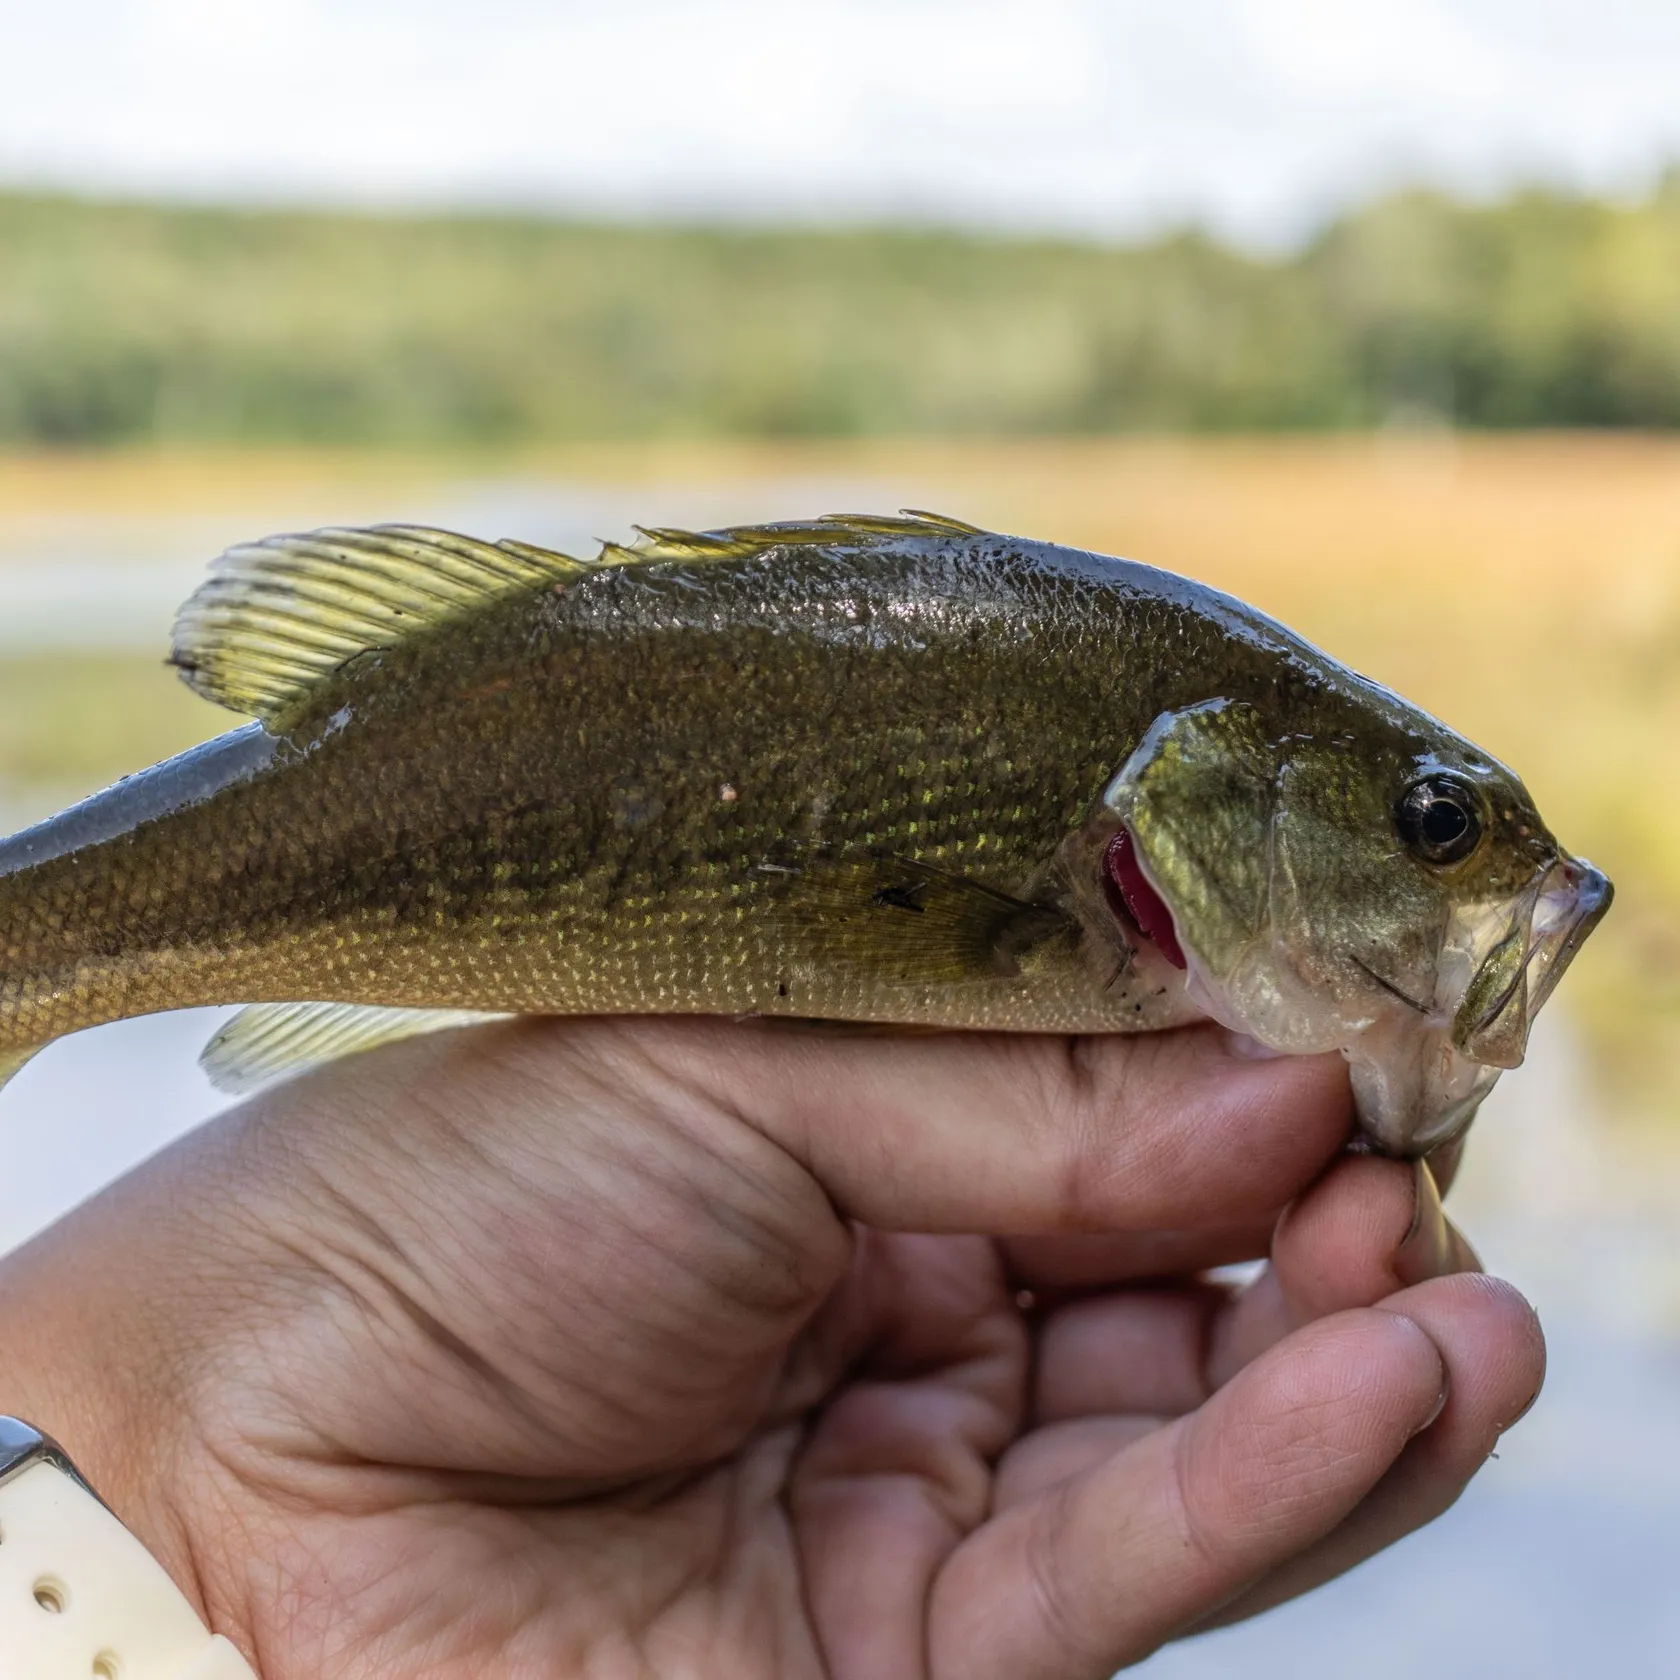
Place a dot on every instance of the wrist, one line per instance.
(70, 1361)
(79, 1593)
(96, 1353)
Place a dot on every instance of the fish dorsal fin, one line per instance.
(737, 542)
(276, 617)
(271, 1041)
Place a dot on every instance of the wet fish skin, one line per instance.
(865, 774)
(659, 764)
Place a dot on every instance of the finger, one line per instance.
(908, 1306)
(1028, 1133)
(1364, 1196)
(1040, 1460)
(1141, 1351)
(1495, 1357)
(1017, 1133)
(1100, 1570)
(1366, 1229)
(1112, 1370)
(1052, 1265)
(897, 1464)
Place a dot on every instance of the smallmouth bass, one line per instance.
(894, 770)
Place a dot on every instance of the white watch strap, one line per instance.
(82, 1599)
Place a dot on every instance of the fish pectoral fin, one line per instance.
(911, 923)
(274, 618)
(271, 1041)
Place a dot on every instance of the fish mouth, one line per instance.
(1573, 900)
(1455, 1066)
(1521, 972)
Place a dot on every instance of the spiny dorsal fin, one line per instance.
(276, 617)
(832, 530)
(270, 1041)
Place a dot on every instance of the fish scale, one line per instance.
(860, 769)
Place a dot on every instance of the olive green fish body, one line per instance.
(868, 771)
(705, 786)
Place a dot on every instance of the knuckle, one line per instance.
(1063, 1629)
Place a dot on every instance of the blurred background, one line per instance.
(1367, 310)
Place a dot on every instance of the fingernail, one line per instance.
(1426, 1249)
(1439, 1407)
(1250, 1048)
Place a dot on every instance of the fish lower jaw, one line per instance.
(1412, 1089)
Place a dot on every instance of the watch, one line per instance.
(80, 1597)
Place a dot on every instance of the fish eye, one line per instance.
(1440, 819)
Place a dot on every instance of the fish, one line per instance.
(896, 770)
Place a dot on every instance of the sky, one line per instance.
(1111, 117)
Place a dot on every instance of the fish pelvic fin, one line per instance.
(273, 1041)
(276, 617)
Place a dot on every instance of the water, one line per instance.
(1559, 1562)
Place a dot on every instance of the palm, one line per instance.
(569, 1351)
(862, 1460)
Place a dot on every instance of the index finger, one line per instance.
(1023, 1133)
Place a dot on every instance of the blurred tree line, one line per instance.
(123, 322)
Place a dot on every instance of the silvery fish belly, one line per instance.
(872, 769)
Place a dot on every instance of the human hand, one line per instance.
(603, 1347)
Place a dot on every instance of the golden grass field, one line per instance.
(1527, 589)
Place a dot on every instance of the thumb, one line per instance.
(1022, 1133)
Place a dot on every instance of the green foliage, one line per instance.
(132, 322)
(70, 722)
